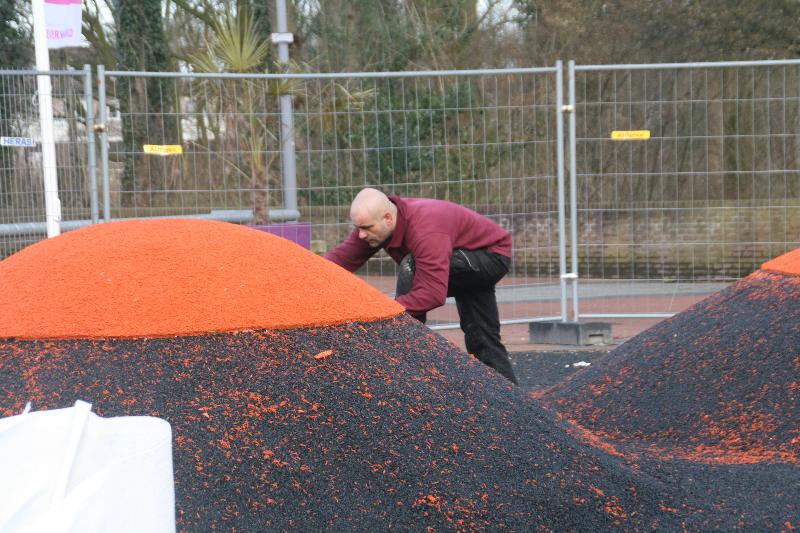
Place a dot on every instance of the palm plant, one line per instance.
(249, 108)
(244, 105)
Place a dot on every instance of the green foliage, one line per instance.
(15, 42)
(236, 47)
(632, 31)
(262, 22)
(144, 103)
(99, 34)
(402, 137)
(140, 40)
(355, 35)
(17, 54)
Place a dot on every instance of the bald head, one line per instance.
(370, 201)
(374, 215)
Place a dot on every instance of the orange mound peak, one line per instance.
(175, 277)
(788, 263)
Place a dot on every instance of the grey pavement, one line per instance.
(606, 289)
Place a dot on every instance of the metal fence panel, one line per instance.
(189, 145)
(703, 201)
(710, 195)
(485, 139)
(22, 204)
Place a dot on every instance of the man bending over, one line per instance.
(443, 249)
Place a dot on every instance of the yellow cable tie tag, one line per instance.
(630, 135)
(163, 149)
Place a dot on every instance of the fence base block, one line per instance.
(573, 333)
(299, 232)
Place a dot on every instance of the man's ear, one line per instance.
(388, 219)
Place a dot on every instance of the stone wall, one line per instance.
(663, 243)
(676, 243)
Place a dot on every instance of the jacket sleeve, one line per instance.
(351, 253)
(432, 270)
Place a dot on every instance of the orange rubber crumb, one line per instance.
(787, 263)
(175, 277)
(323, 354)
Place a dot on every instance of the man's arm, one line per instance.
(432, 269)
(351, 253)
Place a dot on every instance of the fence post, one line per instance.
(103, 129)
(573, 191)
(562, 249)
(88, 95)
(282, 38)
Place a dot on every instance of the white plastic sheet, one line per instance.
(69, 470)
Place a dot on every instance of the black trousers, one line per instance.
(473, 276)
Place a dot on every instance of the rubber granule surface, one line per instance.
(365, 426)
(719, 382)
(163, 277)
(301, 400)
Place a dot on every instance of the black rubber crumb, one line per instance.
(372, 427)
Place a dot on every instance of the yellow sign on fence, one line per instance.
(163, 149)
(630, 135)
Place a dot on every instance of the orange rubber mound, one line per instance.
(175, 277)
(788, 263)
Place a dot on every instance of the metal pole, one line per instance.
(324, 75)
(562, 251)
(103, 129)
(88, 95)
(573, 185)
(282, 38)
(52, 204)
(235, 216)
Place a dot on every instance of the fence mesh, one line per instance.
(226, 132)
(21, 183)
(484, 141)
(712, 193)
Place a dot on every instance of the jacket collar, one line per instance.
(400, 225)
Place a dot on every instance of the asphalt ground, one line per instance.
(536, 370)
(539, 366)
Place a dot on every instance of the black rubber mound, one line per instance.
(719, 382)
(358, 427)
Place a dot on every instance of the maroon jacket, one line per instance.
(429, 230)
